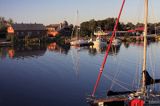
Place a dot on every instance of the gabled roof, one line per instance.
(23, 27)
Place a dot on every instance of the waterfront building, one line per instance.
(27, 30)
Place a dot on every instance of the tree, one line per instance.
(10, 21)
(130, 26)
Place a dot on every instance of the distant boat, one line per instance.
(116, 42)
(100, 41)
(100, 32)
(78, 41)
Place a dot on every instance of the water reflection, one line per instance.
(138, 44)
(101, 50)
(23, 51)
(32, 50)
(49, 78)
(54, 47)
(36, 50)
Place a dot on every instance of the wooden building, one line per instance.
(21, 31)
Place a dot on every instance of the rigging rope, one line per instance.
(116, 75)
(107, 50)
(116, 82)
(152, 67)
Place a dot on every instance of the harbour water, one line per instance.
(52, 75)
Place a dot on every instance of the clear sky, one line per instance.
(55, 11)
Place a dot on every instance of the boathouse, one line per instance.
(23, 30)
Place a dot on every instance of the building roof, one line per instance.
(53, 26)
(23, 27)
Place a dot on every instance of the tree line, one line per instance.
(88, 27)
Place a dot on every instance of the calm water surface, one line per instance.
(57, 76)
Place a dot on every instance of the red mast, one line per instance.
(107, 50)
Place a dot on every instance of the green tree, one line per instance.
(10, 21)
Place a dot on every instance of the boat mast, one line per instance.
(77, 25)
(145, 48)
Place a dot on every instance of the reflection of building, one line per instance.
(3, 52)
(31, 30)
(31, 51)
(23, 51)
(56, 48)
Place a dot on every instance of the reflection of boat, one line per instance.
(144, 96)
(79, 42)
(101, 49)
(99, 42)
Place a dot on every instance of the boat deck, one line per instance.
(108, 100)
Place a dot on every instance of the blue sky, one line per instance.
(55, 11)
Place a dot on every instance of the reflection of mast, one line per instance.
(75, 59)
(143, 90)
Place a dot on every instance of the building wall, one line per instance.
(37, 33)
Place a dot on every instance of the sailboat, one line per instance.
(141, 97)
(78, 41)
(147, 98)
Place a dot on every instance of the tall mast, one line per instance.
(77, 25)
(145, 47)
